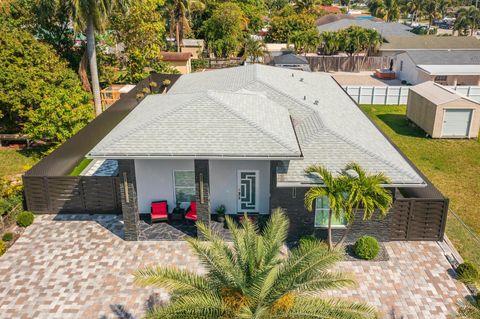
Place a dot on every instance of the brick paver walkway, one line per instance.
(81, 268)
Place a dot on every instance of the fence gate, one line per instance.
(418, 219)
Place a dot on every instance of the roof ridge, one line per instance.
(250, 122)
(376, 156)
(153, 119)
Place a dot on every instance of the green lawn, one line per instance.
(452, 165)
(13, 162)
(80, 167)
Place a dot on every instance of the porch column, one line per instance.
(202, 190)
(128, 195)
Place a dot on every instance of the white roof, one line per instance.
(330, 127)
(465, 69)
(209, 124)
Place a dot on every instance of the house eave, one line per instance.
(393, 185)
(193, 156)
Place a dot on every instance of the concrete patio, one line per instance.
(80, 267)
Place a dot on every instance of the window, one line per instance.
(401, 66)
(440, 79)
(321, 214)
(184, 186)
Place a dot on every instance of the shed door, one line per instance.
(456, 122)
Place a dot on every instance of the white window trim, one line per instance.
(175, 186)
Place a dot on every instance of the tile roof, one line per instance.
(386, 29)
(207, 124)
(175, 56)
(330, 128)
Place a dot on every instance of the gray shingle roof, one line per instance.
(206, 124)
(289, 58)
(386, 29)
(431, 42)
(445, 57)
(330, 127)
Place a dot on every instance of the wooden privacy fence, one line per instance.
(418, 219)
(72, 194)
(387, 95)
(327, 63)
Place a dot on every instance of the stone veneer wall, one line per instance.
(202, 176)
(302, 221)
(126, 168)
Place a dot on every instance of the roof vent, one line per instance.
(301, 79)
(304, 97)
(316, 102)
(293, 75)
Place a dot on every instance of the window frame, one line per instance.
(185, 187)
(326, 210)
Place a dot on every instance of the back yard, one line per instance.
(452, 165)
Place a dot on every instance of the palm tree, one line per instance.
(254, 49)
(249, 278)
(470, 310)
(387, 10)
(305, 5)
(366, 193)
(414, 7)
(333, 188)
(91, 16)
(178, 15)
(432, 11)
(467, 18)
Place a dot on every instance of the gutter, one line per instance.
(223, 157)
(396, 185)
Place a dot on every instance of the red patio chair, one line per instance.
(191, 213)
(159, 211)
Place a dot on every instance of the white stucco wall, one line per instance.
(223, 183)
(155, 181)
(409, 71)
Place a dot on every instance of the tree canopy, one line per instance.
(40, 96)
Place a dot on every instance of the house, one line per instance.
(443, 113)
(397, 45)
(182, 61)
(193, 46)
(446, 67)
(330, 9)
(291, 61)
(240, 137)
(386, 29)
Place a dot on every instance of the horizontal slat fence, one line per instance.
(72, 194)
(327, 63)
(418, 219)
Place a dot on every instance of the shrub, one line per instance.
(367, 247)
(404, 82)
(306, 239)
(24, 219)
(7, 237)
(3, 247)
(468, 273)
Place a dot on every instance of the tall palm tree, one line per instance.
(91, 16)
(387, 10)
(365, 193)
(178, 16)
(414, 7)
(333, 188)
(470, 310)
(254, 50)
(432, 11)
(250, 279)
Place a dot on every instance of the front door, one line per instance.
(247, 191)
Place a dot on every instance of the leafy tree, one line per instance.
(250, 279)
(306, 5)
(41, 96)
(224, 30)
(330, 42)
(254, 50)
(415, 8)
(276, 5)
(91, 16)
(305, 41)
(365, 193)
(282, 27)
(467, 19)
(334, 189)
(142, 31)
(388, 10)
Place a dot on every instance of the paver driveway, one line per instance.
(79, 267)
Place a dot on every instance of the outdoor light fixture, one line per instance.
(202, 201)
(125, 186)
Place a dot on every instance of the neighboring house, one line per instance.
(113, 93)
(443, 113)
(274, 49)
(193, 46)
(396, 45)
(386, 29)
(291, 61)
(446, 67)
(330, 9)
(242, 137)
(182, 61)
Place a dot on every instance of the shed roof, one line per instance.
(175, 56)
(437, 93)
(290, 58)
(193, 42)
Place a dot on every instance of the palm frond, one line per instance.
(172, 279)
